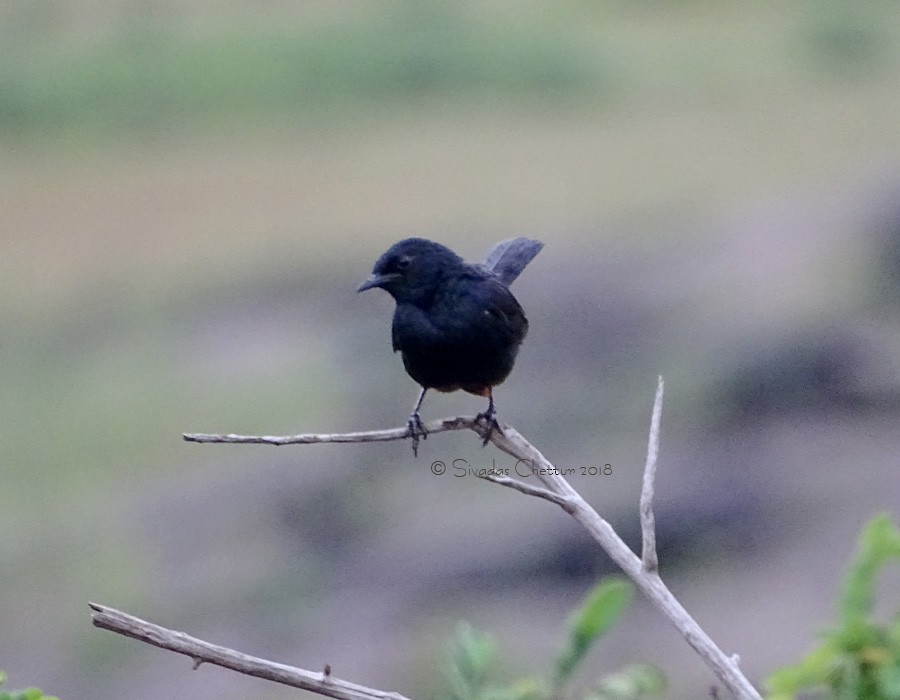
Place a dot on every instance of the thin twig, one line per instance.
(436, 426)
(648, 521)
(529, 490)
(323, 683)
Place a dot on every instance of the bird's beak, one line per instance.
(378, 281)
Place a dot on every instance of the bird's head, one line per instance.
(411, 270)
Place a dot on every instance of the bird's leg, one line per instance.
(414, 425)
(490, 417)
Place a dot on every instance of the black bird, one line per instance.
(456, 325)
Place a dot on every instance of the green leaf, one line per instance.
(860, 658)
(472, 654)
(888, 679)
(631, 682)
(879, 543)
(599, 612)
(27, 694)
(811, 671)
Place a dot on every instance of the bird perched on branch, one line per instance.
(456, 325)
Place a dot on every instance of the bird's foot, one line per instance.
(416, 430)
(490, 418)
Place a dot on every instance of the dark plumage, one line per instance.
(456, 325)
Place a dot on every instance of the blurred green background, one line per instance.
(191, 192)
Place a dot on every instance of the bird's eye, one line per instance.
(403, 262)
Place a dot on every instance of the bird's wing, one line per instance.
(488, 306)
(473, 306)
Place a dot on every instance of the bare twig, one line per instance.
(323, 683)
(436, 426)
(557, 490)
(648, 521)
(530, 490)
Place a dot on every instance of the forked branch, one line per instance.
(642, 570)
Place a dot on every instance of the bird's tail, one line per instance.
(507, 259)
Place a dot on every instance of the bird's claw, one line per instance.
(490, 418)
(416, 430)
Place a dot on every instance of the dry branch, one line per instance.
(641, 570)
(648, 520)
(436, 426)
(323, 683)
